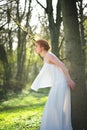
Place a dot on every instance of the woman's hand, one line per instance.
(71, 83)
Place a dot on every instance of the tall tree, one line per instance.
(74, 58)
(54, 24)
(6, 43)
(6, 77)
(81, 22)
(21, 49)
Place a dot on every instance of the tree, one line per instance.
(6, 45)
(75, 61)
(21, 35)
(6, 77)
(14, 61)
(54, 24)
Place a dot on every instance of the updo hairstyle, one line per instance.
(44, 44)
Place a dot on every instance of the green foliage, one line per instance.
(23, 112)
(31, 67)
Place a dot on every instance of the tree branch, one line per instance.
(1, 27)
(61, 43)
(40, 4)
(23, 29)
(7, 3)
(58, 14)
(85, 18)
(21, 17)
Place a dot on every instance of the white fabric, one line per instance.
(57, 112)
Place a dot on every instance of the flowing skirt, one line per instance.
(57, 112)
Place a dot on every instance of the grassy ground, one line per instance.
(23, 112)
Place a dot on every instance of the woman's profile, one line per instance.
(54, 74)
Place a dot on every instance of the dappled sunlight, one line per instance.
(23, 111)
(64, 26)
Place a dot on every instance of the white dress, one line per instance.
(57, 112)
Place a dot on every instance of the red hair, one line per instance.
(43, 43)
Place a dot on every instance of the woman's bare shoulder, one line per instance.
(50, 57)
(49, 54)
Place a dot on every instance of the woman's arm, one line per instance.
(54, 60)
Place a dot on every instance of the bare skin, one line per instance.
(52, 59)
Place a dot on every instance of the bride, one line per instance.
(57, 112)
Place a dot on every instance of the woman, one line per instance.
(57, 112)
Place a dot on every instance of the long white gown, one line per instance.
(57, 112)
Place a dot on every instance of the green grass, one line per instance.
(23, 112)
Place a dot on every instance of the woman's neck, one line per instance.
(43, 53)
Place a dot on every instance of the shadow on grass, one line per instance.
(35, 101)
(21, 107)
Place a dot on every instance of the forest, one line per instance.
(64, 25)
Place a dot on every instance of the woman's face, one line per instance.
(38, 48)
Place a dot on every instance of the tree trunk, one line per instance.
(6, 77)
(21, 49)
(83, 42)
(75, 62)
(20, 52)
(54, 25)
